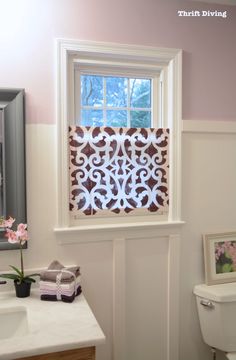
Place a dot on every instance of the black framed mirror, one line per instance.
(12, 160)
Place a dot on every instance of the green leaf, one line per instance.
(10, 276)
(218, 269)
(33, 275)
(16, 270)
(19, 276)
(227, 268)
(227, 256)
(28, 280)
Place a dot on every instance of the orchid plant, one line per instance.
(20, 236)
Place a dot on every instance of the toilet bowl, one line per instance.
(216, 306)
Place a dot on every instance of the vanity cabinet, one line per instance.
(77, 354)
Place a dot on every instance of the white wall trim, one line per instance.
(119, 299)
(62, 131)
(170, 61)
(175, 115)
(97, 233)
(173, 297)
(209, 126)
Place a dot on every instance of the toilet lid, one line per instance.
(231, 356)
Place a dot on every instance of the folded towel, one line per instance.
(67, 275)
(64, 298)
(53, 286)
(60, 283)
(58, 290)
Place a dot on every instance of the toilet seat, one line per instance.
(231, 356)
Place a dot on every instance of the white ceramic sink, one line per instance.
(29, 326)
(13, 322)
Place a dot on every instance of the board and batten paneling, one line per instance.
(130, 277)
(146, 307)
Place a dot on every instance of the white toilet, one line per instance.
(217, 314)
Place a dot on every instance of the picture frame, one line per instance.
(220, 257)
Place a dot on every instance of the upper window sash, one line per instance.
(156, 96)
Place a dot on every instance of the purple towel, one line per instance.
(64, 298)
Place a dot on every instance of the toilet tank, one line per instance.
(216, 306)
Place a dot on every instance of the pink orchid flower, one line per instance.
(21, 227)
(19, 236)
(22, 233)
(11, 236)
(7, 223)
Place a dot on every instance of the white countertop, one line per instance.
(53, 326)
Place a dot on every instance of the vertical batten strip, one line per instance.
(119, 299)
(173, 298)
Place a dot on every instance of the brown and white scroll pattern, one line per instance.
(118, 169)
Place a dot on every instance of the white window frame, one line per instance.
(138, 59)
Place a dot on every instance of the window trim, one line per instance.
(167, 61)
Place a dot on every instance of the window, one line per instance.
(105, 90)
(115, 101)
(119, 165)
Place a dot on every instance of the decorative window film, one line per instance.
(118, 170)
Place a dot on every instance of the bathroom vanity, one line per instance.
(32, 329)
(79, 354)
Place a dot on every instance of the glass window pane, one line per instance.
(140, 93)
(116, 91)
(116, 118)
(91, 90)
(91, 117)
(140, 119)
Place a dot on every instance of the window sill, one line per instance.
(98, 232)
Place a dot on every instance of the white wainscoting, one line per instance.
(130, 276)
(145, 297)
(132, 280)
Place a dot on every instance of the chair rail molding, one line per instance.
(209, 126)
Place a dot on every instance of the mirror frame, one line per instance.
(12, 105)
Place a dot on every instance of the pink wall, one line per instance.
(28, 29)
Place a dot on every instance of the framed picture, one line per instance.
(220, 257)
